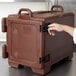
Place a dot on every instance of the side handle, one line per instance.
(4, 51)
(4, 26)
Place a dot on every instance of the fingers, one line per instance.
(56, 27)
(52, 28)
(52, 25)
(51, 31)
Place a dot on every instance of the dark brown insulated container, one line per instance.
(29, 43)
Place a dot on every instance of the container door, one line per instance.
(24, 41)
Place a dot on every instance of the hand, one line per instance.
(54, 27)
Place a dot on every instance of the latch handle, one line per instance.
(44, 27)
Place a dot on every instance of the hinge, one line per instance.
(44, 28)
(45, 59)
